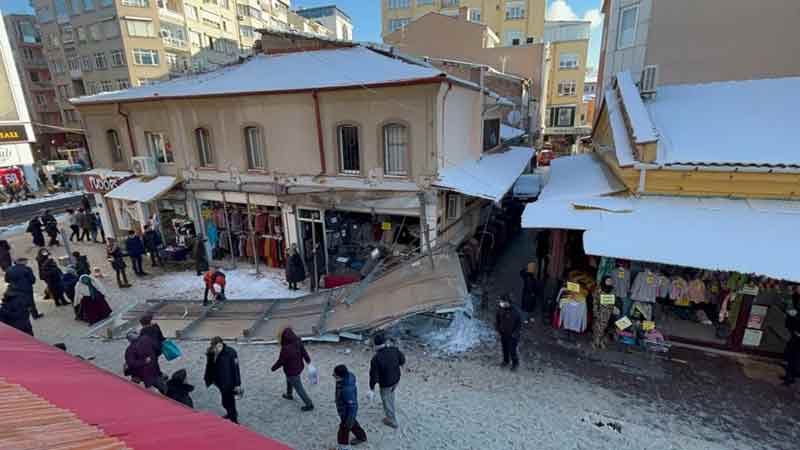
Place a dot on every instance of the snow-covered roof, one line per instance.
(143, 190)
(489, 177)
(750, 122)
(622, 145)
(289, 72)
(641, 125)
(579, 176)
(507, 132)
(108, 173)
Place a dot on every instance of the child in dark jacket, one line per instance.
(347, 407)
(178, 389)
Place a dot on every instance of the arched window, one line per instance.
(115, 145)
(395, 149)
(349, 158)
(254, 144)
(204, 149)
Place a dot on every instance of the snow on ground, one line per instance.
(464, 333)
(241, 284)
(42, 199)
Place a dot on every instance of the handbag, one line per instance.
(170, 350)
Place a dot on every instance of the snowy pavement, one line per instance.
(42, 199)
(241, 284)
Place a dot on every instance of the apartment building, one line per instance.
(37, 84)
(680, 42)
(516, 22)
(565, 115)
(332, 18)
(95, 46)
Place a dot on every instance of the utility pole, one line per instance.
(423, 223)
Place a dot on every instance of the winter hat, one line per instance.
(340, 371)
(379, 339)
(132, 335)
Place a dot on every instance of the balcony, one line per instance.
(42, 85)
(76, 74)
(173, 16)
(172, 42)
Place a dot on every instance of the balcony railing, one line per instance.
(173, 42)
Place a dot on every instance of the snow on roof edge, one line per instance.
(643, 128)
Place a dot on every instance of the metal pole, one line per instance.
(252, 228)
(228, 227)
(315, 281)
(423, 222)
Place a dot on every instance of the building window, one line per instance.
(568, 61)
(27, 32)
(561, 116)
(137, 3)
(107, 85)
(399, 4)
(450, 3)
(205, 152)
(425, 2)
(73, 64)
(396, 24)
(627, 26)
(191, 12)
(140, 28)
(88, 5)
(57, 67)
(491, 133)
(145, 57)
(349, 161)
(94, 32)
(44, 14)
(100, 61)
(566, 88)
(61, 7)
(513, 38)
(86, 63)
(111, 29)
(254, 142)
(117, 58)
(115, 145)
(395, 149)
(515, 11)
(123, 83)
(41, 100)
(453, 206)
(34, 76)
(159, 148)
(474, 15)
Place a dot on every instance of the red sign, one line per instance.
(11, 175)
(100, 184)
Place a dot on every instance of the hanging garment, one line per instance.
(679, 290)
(645, 287)
(212, 233)
(697, 291)
(219, 218)
(664, 286)
(622, 282)
(261, 223)
(236, 221)
(645, 309)
(572, 316)
(558, 241)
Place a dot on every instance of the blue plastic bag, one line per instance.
(170, 350)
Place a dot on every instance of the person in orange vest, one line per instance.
(215, 283)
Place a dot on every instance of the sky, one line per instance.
(366, 16)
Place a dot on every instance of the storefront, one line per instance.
(134, 202)
(99, 182)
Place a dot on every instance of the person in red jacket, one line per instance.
(214, 280)
(293, 353)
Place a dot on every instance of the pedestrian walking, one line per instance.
(295, 270)
(141, 363)
(530, 290)
(200, 256)
(293, 354)
(86, 204)
(384, 371)
(214, 281)
(347, 407)
(73, 219)
(115, 256)
(92, 305)
(5, 255)
(135, 249)
(35, 228)
(601, 314)
(20, 280)
(222, 371)
(97, 226)
(508, 324)
(68, 281)
(14, 312)
(542, 252)
(178, 389)
(81, 264)
(152, 243)
(152, 330)
(85, 220)
(51, 228)
(52, 275)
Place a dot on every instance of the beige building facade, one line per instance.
(516, 22)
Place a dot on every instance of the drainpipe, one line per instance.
(128, 126)
(324, 170)
(444, 106)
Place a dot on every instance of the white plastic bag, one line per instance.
(313, 374)
(370, 396)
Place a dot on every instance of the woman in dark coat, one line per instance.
(116, 257)
(51, 228)
(293, 354)
(52, 276)
(35, 229)
(295, 271)
(15, 312)
(200, 257)
(92, 306)
(5, 255)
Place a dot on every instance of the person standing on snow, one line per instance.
(347, 407)
(508, 324)
(530, 289)
(51, 228)
(135, 249)
(35, 229)
(291, 358)
(115, 256)
(295, 270)
(20, 279)
(85, 220)
(152, 242)
(384, 370)
(141, 362)
(53, 277)
(222, 370)
(73, 221)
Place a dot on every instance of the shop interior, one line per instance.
(232, 232)
(177, 229)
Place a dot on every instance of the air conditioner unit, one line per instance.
(144, 166)
(649, 80)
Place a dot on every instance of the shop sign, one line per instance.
(623, 323)
(573, 287)
(749, 290)
(102, 185)
(757, 315)
(15, 155)
(607, 299)
(13, 133)
(752, 338)
(648, 325)
(386, 226)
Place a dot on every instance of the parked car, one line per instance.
(544, 157)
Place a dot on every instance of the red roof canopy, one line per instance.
(142, 419)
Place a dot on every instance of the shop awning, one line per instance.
(143, 189)
(407, 205)
(489, 177)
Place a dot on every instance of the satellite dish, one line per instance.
(514, 117)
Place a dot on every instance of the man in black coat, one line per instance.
(15, 312)
(530, 290)
(295, 271)
(51, 228)
(508, 324)
(152, 242)
(20, 279)
(134, 247)
(384, 370)
(53, 276)
(222, 370)
(35, 229)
